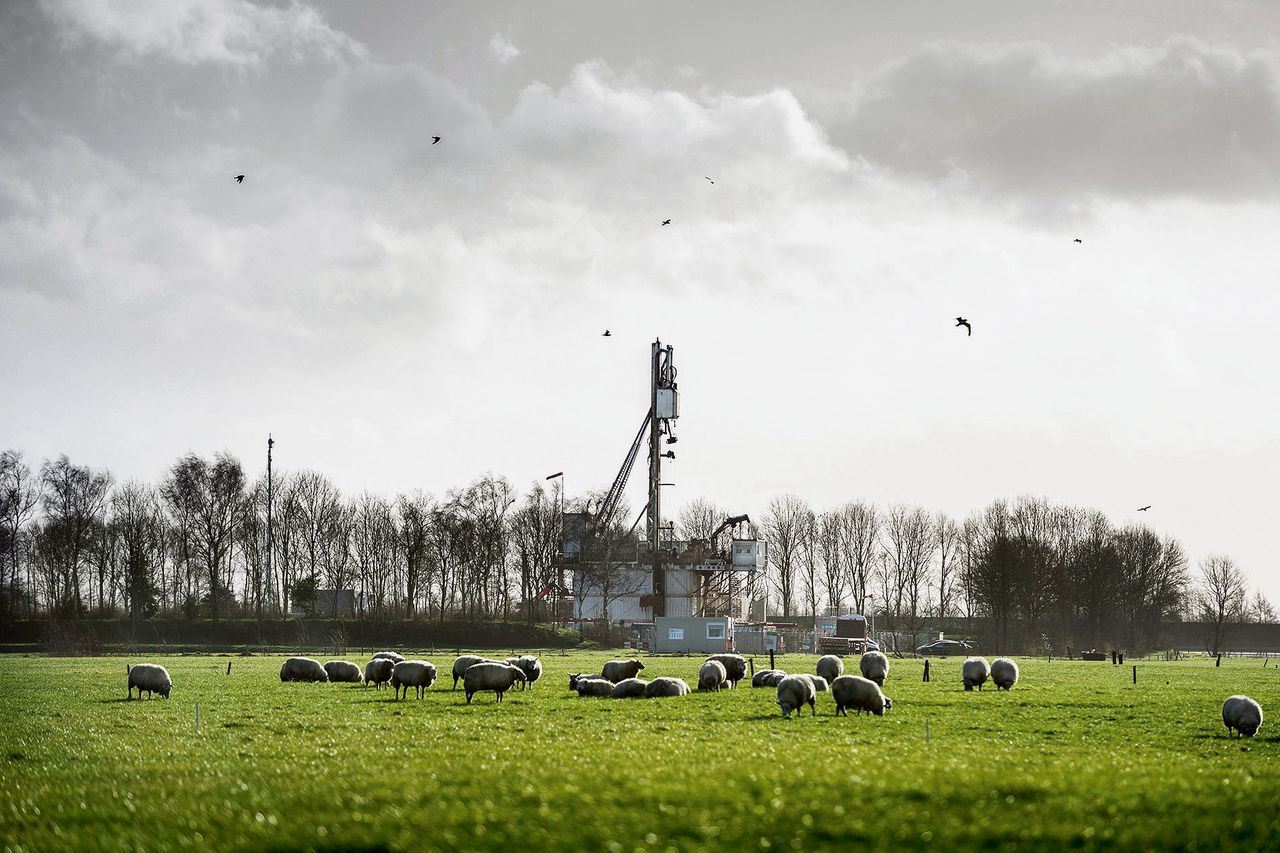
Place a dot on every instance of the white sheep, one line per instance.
(530, 666)
(151, 677)
(617, 670)
(712, 676)
(378, 672)
(819, 683)
(343, 670)
(794, 692)
(490, 675)
(465, 662)
(391, 656)
(664, 687)
(862, 694)
(1242, 714)
(874, 666)
(773, 679)
(417, 674)
(1004, 673)
(629, 688)
(595, 685)
(830, 667)
(760, 679)
(735, 667)
(975, 673)
(303, 669)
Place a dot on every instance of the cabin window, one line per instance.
(715, 631)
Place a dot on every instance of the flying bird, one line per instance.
(607, 334)
(666, 222)
(708, 179)
(434, 140)
(239, 179)
(960, 321)
(1144, 508)
(1078, 240)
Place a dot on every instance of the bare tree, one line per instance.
(535, 529)
(1259, 609)
(698, 519)
(1220, 600)
(138, 519)
(786, 524)
(20, 494)
(904, 573)
(74, 501)
(829, 551)
(859, 545)
(947, 540)
(206, 499)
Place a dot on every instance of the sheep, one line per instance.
(1004, 673)
(617, 670)
(976, 671)
(662, 687)
(303, 669)
(712, 676)
(343, 670)
(1242, 714)
(761, 677)
(629, 688)
(391, 656)
(852, 691)
(151, 677)
(378, 672)
(530, 666)
(773, 679)
(819, 683)
(594, 685)
(794, 692)
(735, 667)
(874, 667)
(417, 674)
(490, 675)
(465, 662)
(830, 667)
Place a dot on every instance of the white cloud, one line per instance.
(193, 32)
(1183, 119)
(502, 49)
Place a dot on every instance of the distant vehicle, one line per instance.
(942, 648)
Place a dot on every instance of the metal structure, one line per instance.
(270, 495)
(663, 410)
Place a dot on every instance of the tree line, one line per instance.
(75, 542)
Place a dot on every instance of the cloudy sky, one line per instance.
(407, 315)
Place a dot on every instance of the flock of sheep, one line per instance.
(619, 679)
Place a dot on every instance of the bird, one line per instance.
(607, 334)
(1078, 240)
(666, 222)
(960, 321)
(1144, 508)
(434, 140)
(239, 179)
(708, 179)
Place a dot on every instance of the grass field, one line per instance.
(1075, 756)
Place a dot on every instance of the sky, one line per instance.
(406, 315)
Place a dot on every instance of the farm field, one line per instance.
(1075, 756)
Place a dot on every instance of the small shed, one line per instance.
(709, 634)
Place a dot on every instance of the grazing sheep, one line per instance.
(819, 683)
(1004, 673)
(975, 673)
(530, 666)
(773, 679)
(662, 687)
(417, 674)
(391, 656)
(863, 694)
(490, 675)
(465, 662)
(153, 678)
(629, 688)
(761, 677)
(735, 667)
(794, 692)
(594, 685)
(874, 667)
(1242, 714)
(343, 670)
(830, 667)
(712, 676)
(303, 669)
(378, 672)
(617, 670)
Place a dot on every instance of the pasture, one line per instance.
(1075, 756)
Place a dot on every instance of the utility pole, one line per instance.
(663, 409)
(271, 581)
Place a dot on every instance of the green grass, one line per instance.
(1075, 756)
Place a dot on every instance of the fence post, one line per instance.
(1219, 660)
(771, 666)
(1135, 675)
